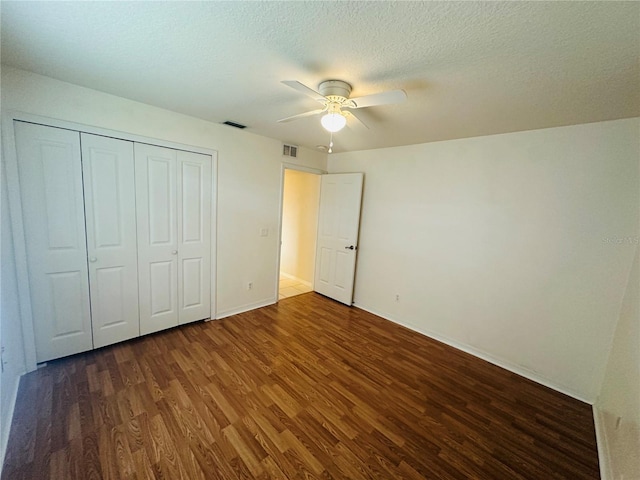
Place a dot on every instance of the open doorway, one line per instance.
(300, 203)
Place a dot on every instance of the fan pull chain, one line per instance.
(330, 143)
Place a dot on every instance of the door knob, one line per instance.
(93, 259)
(174, 252)
(350, 247)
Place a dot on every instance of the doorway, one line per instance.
(300, 205)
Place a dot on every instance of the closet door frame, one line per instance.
(15, 207)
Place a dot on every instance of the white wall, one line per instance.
(10, 327)
(502, 245)
(300, 203)
(620, 394)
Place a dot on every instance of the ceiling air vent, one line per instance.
(290, 151)
(234, 124)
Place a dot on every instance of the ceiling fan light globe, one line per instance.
(333, 122)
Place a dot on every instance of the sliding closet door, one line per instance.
(155, 172)
(110, 200)
(194, 237)
(50, 173)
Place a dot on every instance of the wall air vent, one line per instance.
(234, 124)
(290, 151)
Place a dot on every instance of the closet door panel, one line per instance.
(155, 172)
(50, 173)
(109, 186)
(194, 236)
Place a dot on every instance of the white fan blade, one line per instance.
(354, 117)
(302, 115)
(304, 89)
(384, 98)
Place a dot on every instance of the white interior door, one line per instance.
(155, 173)
(50, 172)
(194, 237)
(338, 226)
(109, 189)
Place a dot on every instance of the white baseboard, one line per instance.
(244, 308)
(299, 280)
(7, 425)
(603, 445)
(512, 367)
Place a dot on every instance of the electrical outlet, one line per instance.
(397, 298)
(249, 285)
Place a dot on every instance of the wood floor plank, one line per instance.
(304, 389)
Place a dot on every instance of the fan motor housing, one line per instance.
(335, 88)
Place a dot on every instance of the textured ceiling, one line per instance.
(469, 68)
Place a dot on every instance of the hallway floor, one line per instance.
(291, 287)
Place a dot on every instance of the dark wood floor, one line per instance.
(304, 389)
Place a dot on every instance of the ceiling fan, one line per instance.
(334, 96)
